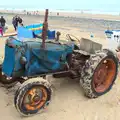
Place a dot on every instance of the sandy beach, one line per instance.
(68, 100)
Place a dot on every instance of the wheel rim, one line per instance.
(104, 75)
(35, 98)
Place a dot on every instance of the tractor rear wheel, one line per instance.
(33, 96)
(99, 73)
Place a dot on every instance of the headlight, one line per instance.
(23, 60)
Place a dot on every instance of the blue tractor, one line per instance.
(30, 61)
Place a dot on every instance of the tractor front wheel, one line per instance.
(32, 96)
(6, 82)
(99, 73)
(3, 79)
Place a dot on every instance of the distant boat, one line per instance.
(113, 35)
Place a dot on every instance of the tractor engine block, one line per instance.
(77, 62)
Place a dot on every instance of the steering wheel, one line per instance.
(72, 38)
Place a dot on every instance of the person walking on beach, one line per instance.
(2, 23)
(15, 22)
(20, 21)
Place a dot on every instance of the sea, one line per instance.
(89, 11)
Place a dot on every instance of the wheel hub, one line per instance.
(101, 75)
(36, 99)
(104, 75)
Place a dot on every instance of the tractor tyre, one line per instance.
(3, 79)
(99, 73)
(6, 82)
(33, 96)
(110, 52)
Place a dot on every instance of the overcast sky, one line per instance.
(112, 5)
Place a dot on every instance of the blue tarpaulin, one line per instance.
(36, 28)
(31, 30)
(24, 33)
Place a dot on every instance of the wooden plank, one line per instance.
(10, 34)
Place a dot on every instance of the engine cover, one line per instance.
(36, 59)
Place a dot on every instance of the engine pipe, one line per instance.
(45, 28)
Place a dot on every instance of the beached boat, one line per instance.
(113, 35)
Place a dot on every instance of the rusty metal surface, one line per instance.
(100, 75)
(45, 28)
(89, 46)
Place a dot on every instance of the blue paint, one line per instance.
(50, 59)
(9, 61)
(51, 34)
(12, 55)
(108, 32)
